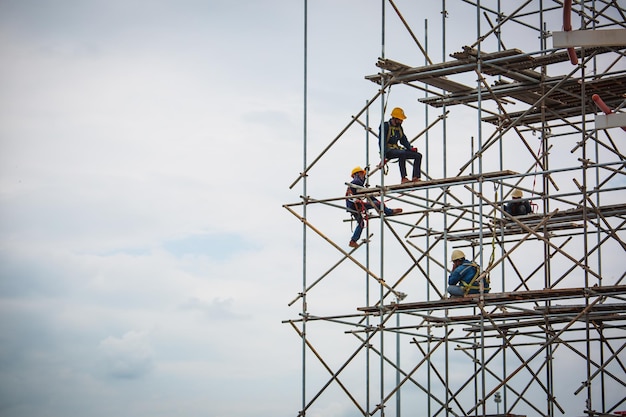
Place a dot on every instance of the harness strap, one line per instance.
(394, 145)
(534, 207)
(359, 205)
(493, 236)
(467, 286)
(383, 165)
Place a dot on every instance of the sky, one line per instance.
(144, 251)
(146, 150)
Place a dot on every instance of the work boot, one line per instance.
(416, 179)
(404, 180)
(353, 244)
(396, 211)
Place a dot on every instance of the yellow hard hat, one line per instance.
(398, 113)
(457, 254)
(355, 170)
(517, 193)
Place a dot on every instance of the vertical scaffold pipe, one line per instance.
(304, 211)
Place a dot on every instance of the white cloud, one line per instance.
(129, 356)
(146, 147)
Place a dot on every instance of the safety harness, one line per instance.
(359, 205)
(392, 129)
(473, 285)
(383, 164)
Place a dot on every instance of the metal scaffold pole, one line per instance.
(529, 97)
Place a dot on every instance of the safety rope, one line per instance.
(382, 165)
(359, 205)
(493, 234)
(492, 258)
(534, 206)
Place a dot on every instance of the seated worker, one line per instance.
(358, 207)
(519, 206)
(390, 139)
(463, 278)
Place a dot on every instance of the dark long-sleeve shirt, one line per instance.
(518, 207)
(358, 182)
(393, 137)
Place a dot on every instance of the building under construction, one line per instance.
(540, 88)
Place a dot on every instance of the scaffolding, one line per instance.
(379, 334)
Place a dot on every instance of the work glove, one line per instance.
(413, 149)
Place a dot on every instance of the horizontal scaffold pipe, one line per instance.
(455, 181)
(328, 368)
(551, 338)
(335, 375)
(503, 298)
(586, 268)
(330, 145)
(359, 264)
(497, 135)
(324, 275)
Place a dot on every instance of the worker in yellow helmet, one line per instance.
(519, 206)
(394, 144)
(358, 207)
(463, 278)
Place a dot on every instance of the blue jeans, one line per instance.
(456, 290)
(358, 216)
(403, 155)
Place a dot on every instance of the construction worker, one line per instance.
(390, 139)
(463, 278)
(519, 206)
(358, 207)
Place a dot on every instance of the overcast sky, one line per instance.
(144, 253)
(146, 148)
